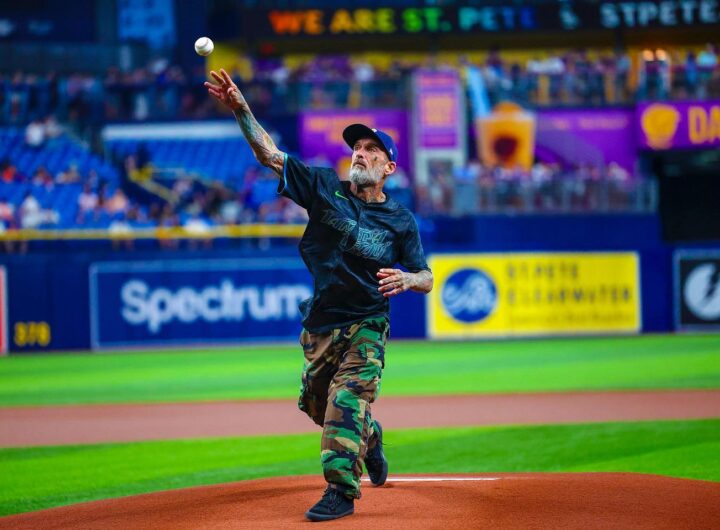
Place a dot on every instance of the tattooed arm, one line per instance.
(227, 92)
(395, 281)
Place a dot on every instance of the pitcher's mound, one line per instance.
(504, 500)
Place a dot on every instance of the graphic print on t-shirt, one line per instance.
(369, 243)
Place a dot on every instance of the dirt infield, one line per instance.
(498, 501)
(33, 426)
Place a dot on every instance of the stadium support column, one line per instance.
(439, 125)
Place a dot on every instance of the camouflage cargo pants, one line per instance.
(340, 379)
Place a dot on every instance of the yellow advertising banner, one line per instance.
(526, 294)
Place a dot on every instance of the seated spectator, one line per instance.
(183, 189)
(70, 176)
(35, 134)
(117, 203)
(120, 232)
(87, 201)
(119, 225)
(52, 128)
(292, 213)
(8, 172)
(7, 215)
(136, 215)
(43, 178)
(616, 173)
(32, 215)
(168, 219)
(197, 227)
(29, 212)
(230, 209)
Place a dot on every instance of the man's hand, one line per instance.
(395, 281)
(263, 146)
(226, 92)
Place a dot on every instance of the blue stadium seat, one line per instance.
(211, 159)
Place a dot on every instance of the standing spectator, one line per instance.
(554, 68)
(707, 61)
(7, 221)
(533, 69)
(692, 75)
(622, 65)
(17, 95)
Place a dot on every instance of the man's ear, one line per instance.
(390, 168)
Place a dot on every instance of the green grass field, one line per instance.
(412, 368)
(35, 478)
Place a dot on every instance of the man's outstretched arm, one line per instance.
(265, 150)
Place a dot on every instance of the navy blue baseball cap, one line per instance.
(356, 131)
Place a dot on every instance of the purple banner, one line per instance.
(679, 125)
(587, 136)
(438, 109)
(321, 133)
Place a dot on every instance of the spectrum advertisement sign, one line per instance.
(185, 302)
(679, 125)
(531, 294)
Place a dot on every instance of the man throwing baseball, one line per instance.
(354, 237)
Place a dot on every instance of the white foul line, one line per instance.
(438, 479)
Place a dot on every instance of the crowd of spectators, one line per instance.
(545, 187)
(162, 90)
(159, 90)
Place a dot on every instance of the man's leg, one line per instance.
(321, 363)
(348, 423)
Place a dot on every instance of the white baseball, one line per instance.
(204, 46)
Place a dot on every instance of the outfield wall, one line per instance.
(496, 277)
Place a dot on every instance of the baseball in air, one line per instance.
(204, 46)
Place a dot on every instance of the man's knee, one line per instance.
(313, 401)
(315, 413)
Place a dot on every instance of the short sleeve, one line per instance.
(299, 182)
(412, 255)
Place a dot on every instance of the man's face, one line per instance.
(370, 163)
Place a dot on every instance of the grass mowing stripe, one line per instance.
(35, 478)
(412, 368)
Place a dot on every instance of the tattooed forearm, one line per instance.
(423, 282)
(260, 141)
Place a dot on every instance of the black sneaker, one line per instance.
(375, 461)
(333, 505)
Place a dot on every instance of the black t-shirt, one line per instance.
(346, 242)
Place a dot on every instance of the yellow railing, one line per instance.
(230, 231)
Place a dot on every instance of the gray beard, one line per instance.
(365, 177)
